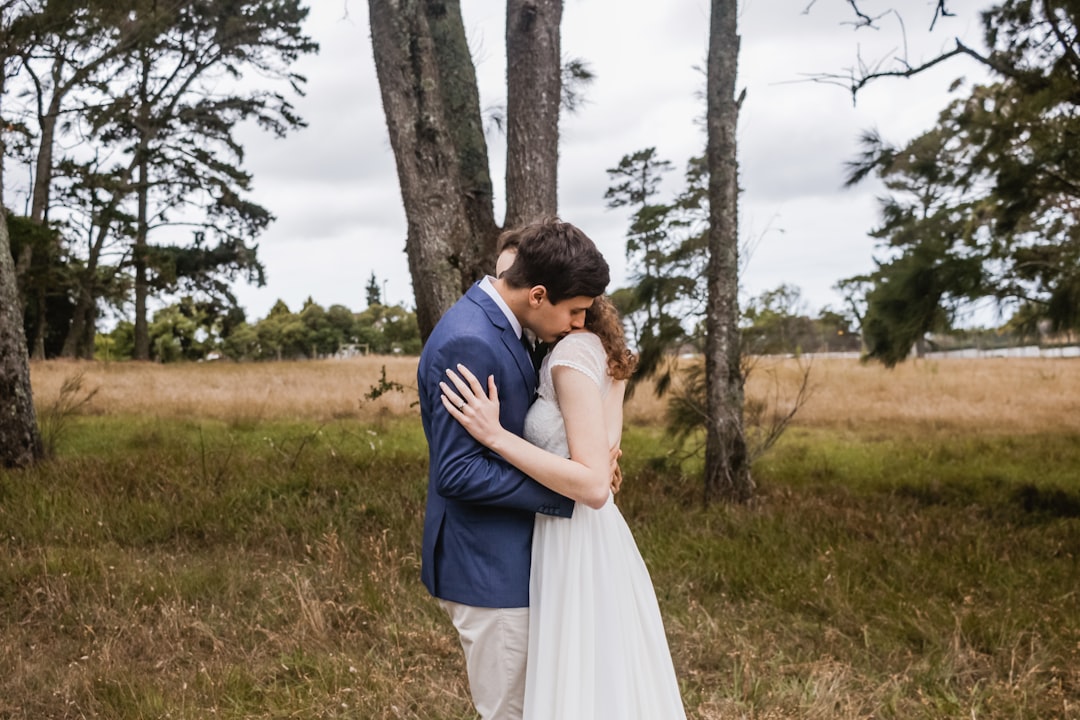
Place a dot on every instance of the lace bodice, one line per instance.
(583, 352)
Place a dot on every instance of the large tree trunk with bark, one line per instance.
(39, 206)
(139, 252)
(533, 96)
(142, 288)
(727, 469)
(20, 441)
(432, 107)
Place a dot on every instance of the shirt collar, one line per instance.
(486, 286)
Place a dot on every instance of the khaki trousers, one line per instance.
(495, 641)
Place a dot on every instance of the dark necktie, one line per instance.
(539, 350)
(535, 351)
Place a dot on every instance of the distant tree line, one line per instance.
(191, 330)
(776, 322)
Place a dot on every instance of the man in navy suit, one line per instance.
(478, 524)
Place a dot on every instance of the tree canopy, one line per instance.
(128, 114)
(986, 205)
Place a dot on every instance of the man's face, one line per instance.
(552, 321)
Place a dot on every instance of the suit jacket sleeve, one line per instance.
(462, 469)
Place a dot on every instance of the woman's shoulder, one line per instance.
(582, 351)
(578, 341)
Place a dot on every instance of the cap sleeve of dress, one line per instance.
(583, 352)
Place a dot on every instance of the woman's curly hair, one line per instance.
(603, 320)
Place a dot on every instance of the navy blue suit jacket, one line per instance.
(480, 509)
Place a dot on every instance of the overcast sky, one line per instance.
(333, 185)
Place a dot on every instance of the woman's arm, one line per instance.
(613, 417)
(585, 476)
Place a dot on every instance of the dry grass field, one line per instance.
(1014, 396)
(316, 390)
(995, 395)
(241, 541)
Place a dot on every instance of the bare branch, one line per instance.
(857, 81)
(864, 19)
(940, 11)
(771, 419)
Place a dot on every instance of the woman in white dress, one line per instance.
(597, 648)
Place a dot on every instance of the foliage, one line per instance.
(767, 414)
(985, 205)
(47, 281)
(118, 344)
(372, 291)
(577, 75)
(136, 111)
(666, 256)
(672, 268)
(383, 386)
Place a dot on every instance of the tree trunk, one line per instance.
(727, 469)
(39, 209)
(36, 344)
(82, 324)
(432, 108)
(39, 203)
(79, 342)
(533, 95)
(82, 320)
(142, 329)
(20, 440)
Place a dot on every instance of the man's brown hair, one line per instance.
(558, 256)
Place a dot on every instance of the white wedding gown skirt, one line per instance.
(597, 648)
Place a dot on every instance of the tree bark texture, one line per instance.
(533, 96)
(39, 207)
(20, 441)
(432, 107)
(139, 252)
(727, 469)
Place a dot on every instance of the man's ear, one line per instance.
(537, 295)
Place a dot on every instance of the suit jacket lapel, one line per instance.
(509, 338)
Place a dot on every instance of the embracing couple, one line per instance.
(523, 545)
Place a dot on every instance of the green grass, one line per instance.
(184, 569)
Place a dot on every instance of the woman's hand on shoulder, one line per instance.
(477, 411)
